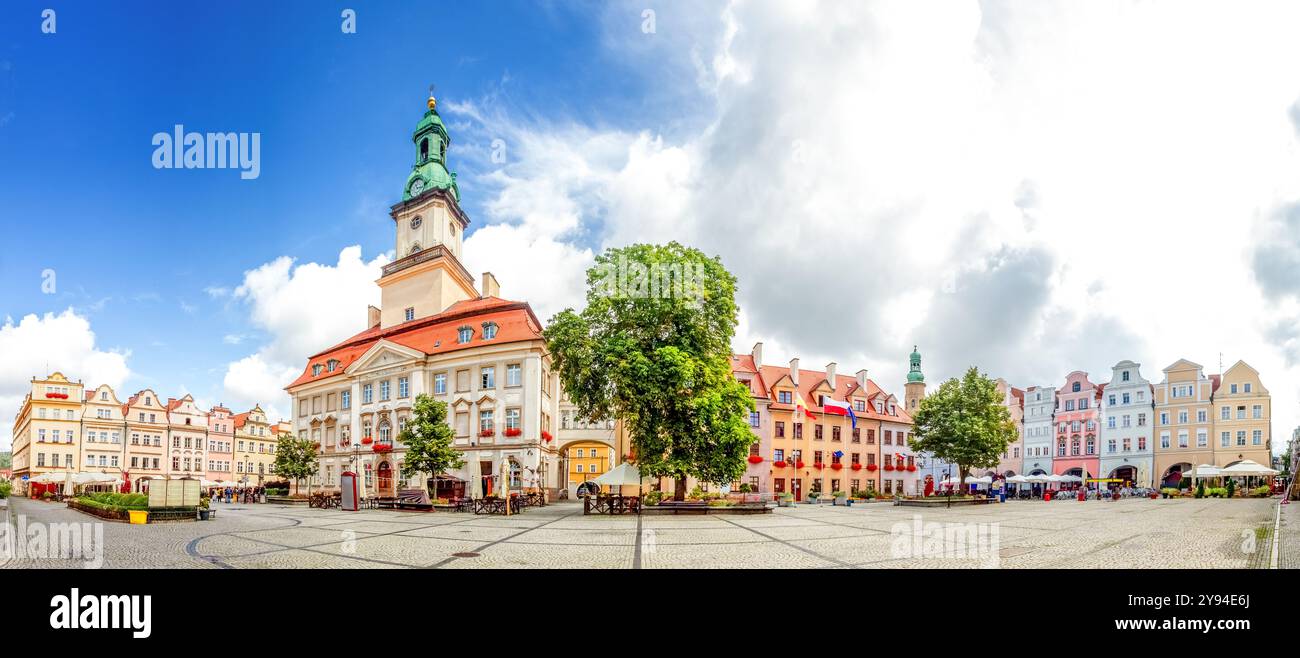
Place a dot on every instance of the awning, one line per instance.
(1247, 468)
(1204, 471)
(621, 475)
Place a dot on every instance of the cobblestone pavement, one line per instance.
(1185, 533)
(1288, 537)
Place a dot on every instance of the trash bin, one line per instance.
(1047, 495)
(1083, 495)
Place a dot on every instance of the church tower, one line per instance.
(427, 276)
(914, 390)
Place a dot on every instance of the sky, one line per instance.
(1030, 188)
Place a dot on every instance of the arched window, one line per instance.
(385, 431)
(415, 248)
(424, 150)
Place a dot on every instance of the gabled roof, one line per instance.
(435, 334)
(846, 386)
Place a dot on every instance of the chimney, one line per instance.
(830, 375)
(757, 354)
(372, 316)
(490, 287)
(862, 378)
(794, 371)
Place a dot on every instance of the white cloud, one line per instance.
(303, 309)
(38, 345)
(1034, 188)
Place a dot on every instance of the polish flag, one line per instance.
(837, 408)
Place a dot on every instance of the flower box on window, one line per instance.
(365, 440)
(889, 466)
(911, 468)
(818, 465)
(837, 466)
(382, 448)
(513, 432)
(56, 396)
(546, 436)
(780, 463)
(857, 467)
(487, 433)
(755, 459)
(798, 464)
(872, 467)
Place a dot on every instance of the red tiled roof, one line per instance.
(435, 334)
(240, 419)
(845, 387)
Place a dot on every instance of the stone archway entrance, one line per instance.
(384, 479)
(1126, 473)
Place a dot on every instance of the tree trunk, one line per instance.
(962, 472)
(679, 488)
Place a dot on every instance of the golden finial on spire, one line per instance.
(432, 101)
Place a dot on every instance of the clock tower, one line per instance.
(427, 276)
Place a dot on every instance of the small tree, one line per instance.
(964, 423)
(296, 459)
(1232, 487)
(428, 439)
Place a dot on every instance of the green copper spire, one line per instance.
(430, 168)
(914, 375)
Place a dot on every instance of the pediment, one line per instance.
(384, 354)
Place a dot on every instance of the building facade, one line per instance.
(1242, 418)
(187, 438)
(146, 429)
(1127, 409)
(255, 444)
(1183, 407)
(46, 434)
(1039, 443)
(103, 428)
(435, 334)
(1013, 399)
(586, 449)
(221, 444)
(1077, 427)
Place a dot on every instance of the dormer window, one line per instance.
(464, 334)
(332, 365)
(315, 369)
(489, 330)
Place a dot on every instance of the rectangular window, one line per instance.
(367, 393)
(817, 432)
(798, 430)
(780, 429)
(485, 421)
(1257, 436)
(1257, 412)
(403, 387)
(487, 377)
(385, 390)
(753, 419)
(346, 399)
(440, 384)
(514, 375)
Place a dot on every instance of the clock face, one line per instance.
(417, 187)
(416, 221)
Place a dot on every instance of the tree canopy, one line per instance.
(295, 458)
(965, 423)
(428, 440)
(652, 349)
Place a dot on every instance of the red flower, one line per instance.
(911, 468)
(546, 436)
(837, 466)
(889, 466)
(382, 447)
(799, 464)
(755, 459)
(365, 440)
(818, 465)
(857, 466)
(513, 432)
(487, 433)
(780, 463)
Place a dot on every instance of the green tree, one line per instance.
(428, 439)
(964, 423)
(296, 459)
(652, 349)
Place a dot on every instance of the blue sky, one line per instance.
(134, 248)
(1028, 188)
